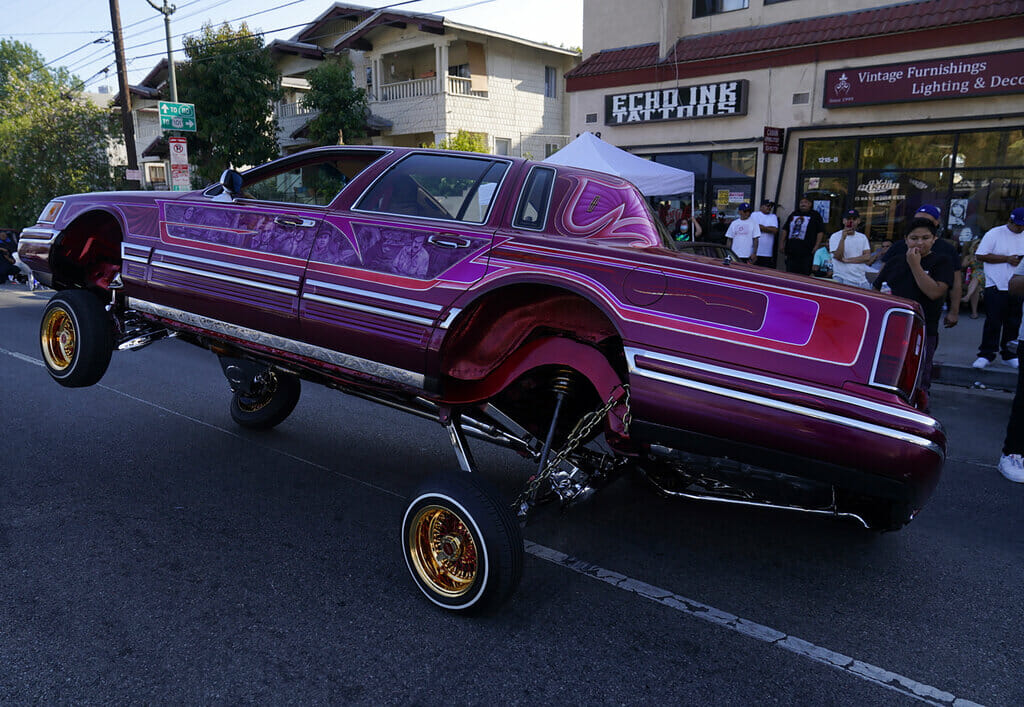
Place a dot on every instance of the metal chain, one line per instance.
(579, 434)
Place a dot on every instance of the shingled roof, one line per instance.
(854, 25)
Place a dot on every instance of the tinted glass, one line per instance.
(316, 183)
(829, 154)
(534, 199)
(905, 151)
(437, 186)
(990, 149)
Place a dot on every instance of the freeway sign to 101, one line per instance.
(177, 116)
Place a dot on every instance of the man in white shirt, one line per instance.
(743, 235)
(1000, 251)
(769, 224)
(851, 252)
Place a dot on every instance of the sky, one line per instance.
(75, 34)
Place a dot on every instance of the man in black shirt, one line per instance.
(925, 277)
(941, 247)
(802, 235)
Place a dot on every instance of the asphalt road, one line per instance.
(151, 552)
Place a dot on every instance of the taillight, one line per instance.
(898, 361)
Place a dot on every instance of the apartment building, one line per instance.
(427, 78)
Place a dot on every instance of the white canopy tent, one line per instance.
(651, 178)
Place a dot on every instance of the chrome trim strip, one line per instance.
(370, 309)
(222, 264)
(134, 259)
(786, 385)
(355, 363)
(226, 278)
(786, 407)
(40, 235)
(374, 295)
(455, 311)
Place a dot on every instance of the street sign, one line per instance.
(773, 139)
(178, 149)
(177, 116)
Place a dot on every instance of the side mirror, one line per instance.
(231, 180)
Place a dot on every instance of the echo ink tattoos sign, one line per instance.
(710, 100)
(960, 77)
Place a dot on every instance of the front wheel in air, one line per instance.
(463, 546)
(77, 338)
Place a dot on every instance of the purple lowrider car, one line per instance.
(532, 306)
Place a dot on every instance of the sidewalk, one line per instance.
(958, 347)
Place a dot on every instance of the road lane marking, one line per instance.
(38, 362)
(766, 634)
(856, 668)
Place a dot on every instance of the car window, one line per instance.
(534, 199)
(316, 183)
(447, 187)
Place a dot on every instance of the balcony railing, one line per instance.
(408, 89)
(459, 86)
(290, 110)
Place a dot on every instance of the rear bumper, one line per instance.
(885, 450)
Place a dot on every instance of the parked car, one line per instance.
(534, 306)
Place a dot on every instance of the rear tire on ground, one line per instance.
(269, 408)
(462, 545)
(77, 338)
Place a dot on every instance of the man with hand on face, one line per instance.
(851, 252)
(923, 276)
(942, 247)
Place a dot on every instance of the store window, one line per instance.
(723, 179)
(975, 177)
(703, 8)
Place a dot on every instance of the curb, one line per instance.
(995, 376)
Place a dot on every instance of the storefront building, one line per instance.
(868, 105)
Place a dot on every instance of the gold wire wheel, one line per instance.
(59, 339)
(443, 551)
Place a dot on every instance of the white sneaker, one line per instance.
(1012, 467)
(980, 362)
(1011, 362)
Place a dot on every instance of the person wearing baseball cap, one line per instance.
(941, 247)
(1000, 251)
(743, 234)
(851, 252)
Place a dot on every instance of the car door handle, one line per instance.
(450, 240)
(294, 221)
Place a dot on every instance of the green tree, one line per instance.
(52, 142)
(463, 141)
(342, 105)
(233, 82)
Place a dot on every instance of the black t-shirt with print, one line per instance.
(802, 229)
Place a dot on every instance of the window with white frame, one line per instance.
(550, 82)
(703, 8)
(502, 146)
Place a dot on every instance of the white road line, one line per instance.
(37, 362)
(855, 668)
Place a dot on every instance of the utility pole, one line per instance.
(167, 11)
(122, 83)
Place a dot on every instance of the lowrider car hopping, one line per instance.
(533, 306)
